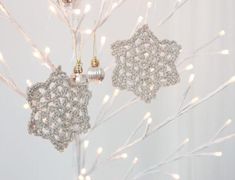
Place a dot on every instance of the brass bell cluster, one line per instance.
(94, 74)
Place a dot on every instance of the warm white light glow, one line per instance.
(150, 120)
(86, 144)
(87, 31)
(114, 5)
(26, 106)
(135, 160)
(186, 141)
(52, 9)
(47, 50)
(77, 11)
(149, 4)
(124, 156)
(3, 9)
(116, 92)
(140, 19)
(222, 33)
(106, 99)
(194, 100)
(189, 67)
(225, 52)
(37, 54)
(228, 122)
(231, 80)
(87, 8)
(175, 176)
(218, 154)
(1, 57)
(83, 171)
(191, 78)
(102, 41)
(80, 177)
(147, 115)
(99, 151)
(88, 178)
(29, 83)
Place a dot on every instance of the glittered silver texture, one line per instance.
(59, 110)
(144, 64)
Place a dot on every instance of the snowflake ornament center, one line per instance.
(59, 110)
(144, 64)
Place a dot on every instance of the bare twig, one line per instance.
(39, 54)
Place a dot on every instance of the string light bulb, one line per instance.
(115, 4)
(124, 155)
(86, 144)
(149, 4)
(99, 151)
(149, 121)
(1, 57)
(116, 92)
(77, 11)
(194, 100)
(189, 67)
(26, 106)
(191, 78)
(80, 177)
(83, 171)
(135, 161)
(87, 31)
(88, 178)
(147, 115)
(102, 40)
(222, 33)
(52, 9)
(37, 54)
(175, 176)
(228, 122)
(186, 141)
(47, 50)
(218, 154)
(224, 52)
(87, 8)
(29, 82)
(106, 99)
(231, 80)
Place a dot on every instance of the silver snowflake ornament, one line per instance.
(59, 109)
(144, 64)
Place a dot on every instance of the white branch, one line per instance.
(12, 85)
(178, 5)
(193, 153)
(40, 55)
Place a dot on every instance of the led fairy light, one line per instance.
(29, 82)
(95, 73)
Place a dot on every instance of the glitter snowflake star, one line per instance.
(144, 64)
(59, 110)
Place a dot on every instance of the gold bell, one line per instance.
(78, 77)
(95, 73)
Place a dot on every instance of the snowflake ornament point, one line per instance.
(144, 63)
(59, 110)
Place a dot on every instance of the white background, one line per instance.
(25, 157)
